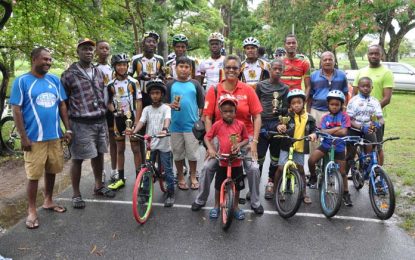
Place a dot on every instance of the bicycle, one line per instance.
(144, 183)
(10, 138)
(330, 184)
(290, 186)
(366, 167)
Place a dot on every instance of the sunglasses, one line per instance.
(231, 68)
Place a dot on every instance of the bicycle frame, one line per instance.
(226, 181)
(290, 163)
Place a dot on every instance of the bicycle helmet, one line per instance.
(337, 94)
(216, 36)
(251, 41)
(227, 98)
(156, 83)
(119, 58)
(151, 34)
(180, 38)
(295, 93)
(280, 51)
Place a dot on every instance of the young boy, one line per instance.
(157, 118)
(366, 117)
(335, 123)
(125, 102)
(300, 124)
(223, 130)
(186, 98)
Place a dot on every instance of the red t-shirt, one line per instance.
(248, 104)
(221, 130)
(294, 71)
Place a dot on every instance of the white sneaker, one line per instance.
(114, 175)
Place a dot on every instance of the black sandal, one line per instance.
(78, 202)
(104, 191)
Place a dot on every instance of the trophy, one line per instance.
(177, 100)
(373, 119)
(234, 139)
(167, 72)
(117, 105)
(284, 120)
(128, 122)
(275, 102)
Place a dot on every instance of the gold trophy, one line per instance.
(373, 119)
(284, 120)
(177, 99)
(234, 139)
(275, 102)
(128, 122)
(167, 72)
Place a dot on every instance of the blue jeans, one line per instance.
(166, 162)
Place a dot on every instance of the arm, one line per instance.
(166, 125)
(63, 112)
(387, 96)
(18, 119)
(138, 110)
(211, 149)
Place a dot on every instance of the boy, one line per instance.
(366, 117)
(186, 99)
(125, 102)
(335, 123)
(157, 118)
(299, 125)
(223, 130)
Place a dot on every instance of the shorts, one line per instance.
(379, 135)
(119, 128)
(88, 139)
(370, 137)
(297, 157)
(110, 120)
(184, 145)
(341, 156)
(46, 156)
(237, 176)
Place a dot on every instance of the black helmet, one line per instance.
(156, 83)
(119, 58)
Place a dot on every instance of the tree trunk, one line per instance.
(352, 58)
(163, 46)
(134, 24)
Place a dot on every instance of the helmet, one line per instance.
(156, 83)
(216, 36)
(280, 51)
(227, 98)
(251, 41)
(337, 94)
(295, 93)
(151, 34)
(118, 58)
(180, 38)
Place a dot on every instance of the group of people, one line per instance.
(102, 104)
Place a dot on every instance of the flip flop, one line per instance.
(32, 224)
(182, 186)
(56, 208)
(194, 186)
(307, 200)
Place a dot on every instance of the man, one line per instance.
(103, 52)
(383, 84)
(297, 67)
(38, 106)
(253, 70)
(211, 69)
(84, 85)
(279, 53)
(322, 81)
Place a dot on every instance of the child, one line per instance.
(335, 123)
(366, 117)
(222, 130)
(157, 117)
(299, 125)
(125, 102)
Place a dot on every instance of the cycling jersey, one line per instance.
(252, 73)
(171, 67)
(361, 108)
(295, 70)
(124, 93)
(108, 74)
(211, 69)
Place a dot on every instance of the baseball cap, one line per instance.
(85, 40)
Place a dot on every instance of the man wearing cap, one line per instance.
(84, 86)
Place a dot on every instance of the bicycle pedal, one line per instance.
(242, 201)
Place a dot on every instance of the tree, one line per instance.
(405, 48)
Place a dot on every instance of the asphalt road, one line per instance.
(107, 229)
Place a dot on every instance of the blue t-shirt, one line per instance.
(329, 121)
(39, 100)
(320, 86)
(182, 121)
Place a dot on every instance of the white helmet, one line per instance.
(216, 36)
(337, 94)
(251, 41)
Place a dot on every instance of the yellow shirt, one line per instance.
(299, 131)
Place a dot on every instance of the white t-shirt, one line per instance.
(107, 70)
(211, 68)
(361, 109)
(154, 118)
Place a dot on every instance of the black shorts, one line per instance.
(120, 126)
(110, 120)
(341, 156)
(237, 176)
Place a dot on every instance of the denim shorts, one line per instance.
(297, 157)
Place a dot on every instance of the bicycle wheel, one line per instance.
(331, 191)
(161, 176)
(143, 195)
(357, 175)
(288, 198)
(227, 201)
(10, 139)
(383, 199)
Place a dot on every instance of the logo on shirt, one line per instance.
(46, 100)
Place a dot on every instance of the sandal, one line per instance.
(182, 186)
(32, 224)
(214, 213)
(78, 202)
(56, 208)
(239, 214)
(104, 191)
(194, 185)
(307, 199)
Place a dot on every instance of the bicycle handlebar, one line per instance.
(334, 138)
(145, 137)
(365, 142)
(279, 135)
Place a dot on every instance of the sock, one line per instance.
(121, 174)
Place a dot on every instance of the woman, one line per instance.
(249, 112)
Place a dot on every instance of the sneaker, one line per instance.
(259, 210)
(269, 190)
(312, 183)
(197, 207)
(117, 185)
(346, 199)
(169, 200)
(114, 175)
(248, 195)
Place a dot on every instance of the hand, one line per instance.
(313, 137)
(144, 76)
(26, 144)
(366, 129)
(174, 105)
(67, 137)
(235, 149)
(163, 132)
(212, 153)
(254, 151)
(128, 132)
(377, 125)
(282, 129)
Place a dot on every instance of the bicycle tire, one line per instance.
(331, 199)
(382, 176)
(143, 195)
(10, 139)
(228, 196)
(282, 197)
(161, 176)
(357, 175)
